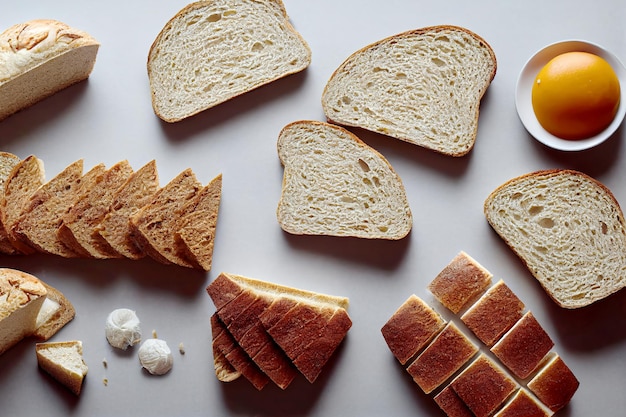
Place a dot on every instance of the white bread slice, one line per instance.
(39, 58)
(25, 178)
(335, 184)
(41, 219)
(7, 163)
(64, 362)
(422, 86)
(115, 228)
(21, 298)
(212, 51)
(568, 229)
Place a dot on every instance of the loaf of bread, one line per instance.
(422, 86)
(568, 229)
(212, 51)
(334, 184)
(282, 330)
(64, 362)
(39, 58)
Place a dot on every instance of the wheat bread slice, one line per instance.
(25, 178)
(336, 185)
(41, 219)
(39, 58)
(89, 209)
(423, 86)
(569, 231)
(222, 49)
(64, 362)
(156, 222)
(7, 162)
(54, 314)
(135, 193)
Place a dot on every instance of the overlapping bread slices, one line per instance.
(265, 331)
(495, 360)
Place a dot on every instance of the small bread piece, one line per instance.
(523, 405)
(335, 184)
(494, 313)
(422, 86)
(452, 405)
(460, 282)
(39, 58)
(555, 384)
(156, 222)
(21, 298)
(411, 327)
(198, 223)
(64, 362)
(135, 193)
(89, 209)
(25, 178)
(483, 386)
(7, 163)
(222, 49)
(41, 219)
(447, 353)
(568, 229)
(54, 314)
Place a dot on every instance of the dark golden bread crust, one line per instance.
(522, 405)
(555, 384)
(451, 404)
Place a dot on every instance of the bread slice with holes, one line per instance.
(7, 163)
(567, 228)
(334, 184)
(422, 86)
(212, 51)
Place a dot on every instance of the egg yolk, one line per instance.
(576, 95)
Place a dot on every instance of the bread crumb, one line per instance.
(181, 348)
(154, 334)
(105, 381)
(105, 363)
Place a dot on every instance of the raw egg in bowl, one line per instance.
(571, 95)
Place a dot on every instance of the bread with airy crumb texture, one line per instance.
(212, 51)
(422, 86)
(39, 58)
(7, 163)
(567, 228)
(334, 184)
(64, 362)
(54, 314)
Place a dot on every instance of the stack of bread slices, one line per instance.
(106, 213)
(269, 332)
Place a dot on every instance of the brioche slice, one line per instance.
(334, 184)
(21, 298)
(222, 49)
(156, 222)
(53, 315)
(555, 384)
(197, 225)
(41, 219)
(422, 86)
(115, 227)
(7, 163)
(64, 362)
(568, 229)
(39, 58)
(25, 178)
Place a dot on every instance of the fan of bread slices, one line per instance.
(488, 357)
(272, 333)
(107, 213)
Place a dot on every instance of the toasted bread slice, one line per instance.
(7, 163)
(214, 62)
(555, 384)
(451, 404)
(523, 404)
(334, 184)
(135, 193)
(422, 86)
(64, 362)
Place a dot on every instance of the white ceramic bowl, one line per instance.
(525, 82)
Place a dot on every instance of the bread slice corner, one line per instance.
(64, 362)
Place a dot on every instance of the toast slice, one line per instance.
(25, 178)
(135, 193)
(215, 60)
(41, 57)
(555, 384)
(41, 219)
(336, 185)
(156, 222)
(569, 231)
(422, 86)
(7, 163)
(64, 362)
(89, 209)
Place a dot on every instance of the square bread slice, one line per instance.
(452, 405)
(554, 384)
(64, 362)
(523, 404)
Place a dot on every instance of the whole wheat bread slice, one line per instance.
(7, 163)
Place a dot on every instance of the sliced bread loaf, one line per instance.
(39, 58)
(212, 51)
(335, 184)
(568, 229)
(422, 86)
(7, 163)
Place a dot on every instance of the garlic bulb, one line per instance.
(122, 328)
(156, 356)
